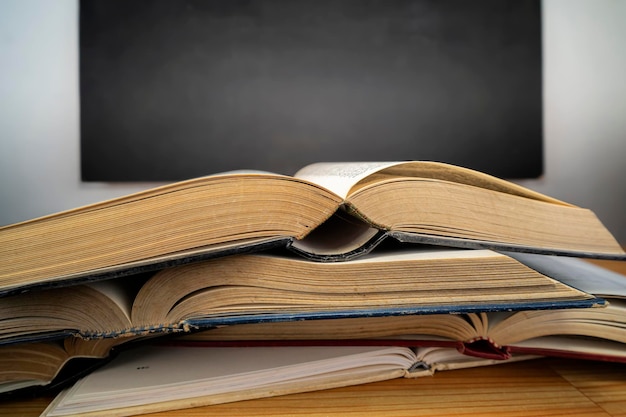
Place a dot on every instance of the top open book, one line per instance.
(327, 211)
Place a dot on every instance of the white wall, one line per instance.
(585, 107)
(39, 112)
(585, 110)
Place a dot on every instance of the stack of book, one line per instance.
(249, 284)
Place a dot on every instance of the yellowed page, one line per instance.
(341, 177)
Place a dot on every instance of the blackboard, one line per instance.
(176, 89)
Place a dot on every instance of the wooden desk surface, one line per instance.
(542, 387)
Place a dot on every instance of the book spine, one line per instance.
(484, 348)
(136, 331)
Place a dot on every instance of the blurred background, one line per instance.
(584, 110)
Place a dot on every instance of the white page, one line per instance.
(411, 253)
(162, 373)
(341, 176)
(579, 345)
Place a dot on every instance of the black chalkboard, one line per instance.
(177, 89)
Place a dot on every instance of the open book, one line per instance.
(28, 369)
(413, 297)
(596, 333)
(272, 287)
(326, 211)
(158, 378)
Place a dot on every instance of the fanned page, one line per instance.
(210, 211)
(593, 333)
(437, 203)
(258, 287)
(342, 177)
(579, 348)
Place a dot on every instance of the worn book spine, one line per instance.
(206, 323)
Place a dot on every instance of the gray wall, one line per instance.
(584, 114)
